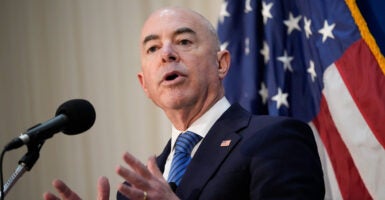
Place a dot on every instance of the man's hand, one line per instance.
(146, 182)
(67, 194)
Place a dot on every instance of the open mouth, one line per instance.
(171, 76)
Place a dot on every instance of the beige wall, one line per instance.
(55, 50)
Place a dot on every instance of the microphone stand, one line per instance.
(25, 164)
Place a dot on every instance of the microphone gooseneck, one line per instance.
(72, 117)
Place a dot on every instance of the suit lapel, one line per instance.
(162, 158)
(215, 147)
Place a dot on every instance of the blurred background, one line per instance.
(52, 51)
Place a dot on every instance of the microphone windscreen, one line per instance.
(80, 113)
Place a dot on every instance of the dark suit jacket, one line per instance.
(267, 158)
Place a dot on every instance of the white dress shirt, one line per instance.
(201, 127)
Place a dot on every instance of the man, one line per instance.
(240, 156)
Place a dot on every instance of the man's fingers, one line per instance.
(50, 196)
(103, 188)
(132, 177)
(145, 182)
(131, 192)
(62, 188)
(153, 167)
(136, 165)
(64, 191)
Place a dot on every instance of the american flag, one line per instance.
(316, 61)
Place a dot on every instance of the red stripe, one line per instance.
(366, 83)
(347, 175)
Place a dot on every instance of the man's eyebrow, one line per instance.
(150, 37)
(184, 30)
(177, 32)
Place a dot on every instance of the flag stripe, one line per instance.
(366, 35)
(366, 152)
(331, 185)
(364, 79)
(349, 180)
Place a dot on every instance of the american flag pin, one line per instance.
(225, 143)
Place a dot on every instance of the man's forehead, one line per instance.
(174, 21)
(167, 12)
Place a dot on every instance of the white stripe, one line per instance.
(366, 151)
(332, 191)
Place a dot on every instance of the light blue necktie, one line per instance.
(183, 147)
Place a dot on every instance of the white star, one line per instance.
(285, 59)
(264, 93)
(224, 45)
(223, 13)
(292, 23)
(265, 52)
(311, 71)
(326, 31)
(248, 7)
(247, 46)
(307, 27)
(281, 98)
(266, 11)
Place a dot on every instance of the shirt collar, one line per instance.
(203, 124)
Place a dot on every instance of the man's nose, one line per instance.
(169, 54)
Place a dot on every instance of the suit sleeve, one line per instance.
(285, 162)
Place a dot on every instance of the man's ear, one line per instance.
(142, 82)
(223, 63)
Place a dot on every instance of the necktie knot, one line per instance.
(186, 142)
(183, 147)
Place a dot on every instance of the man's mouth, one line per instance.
(173, 77)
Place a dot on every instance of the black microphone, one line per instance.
(72, 117)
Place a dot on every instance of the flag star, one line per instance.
(327, 31)
(281, 98)
(311, 71)
(224, 45)
(266, 13)
(292, 23)
(265, 52)
(285, 59)
(247, 46)
(223, 13)
(248, 7)
(307, 27)
(264, 93)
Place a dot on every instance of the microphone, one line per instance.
(72, 117)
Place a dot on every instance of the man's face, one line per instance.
(179, 60)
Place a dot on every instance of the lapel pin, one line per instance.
(225, 143)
